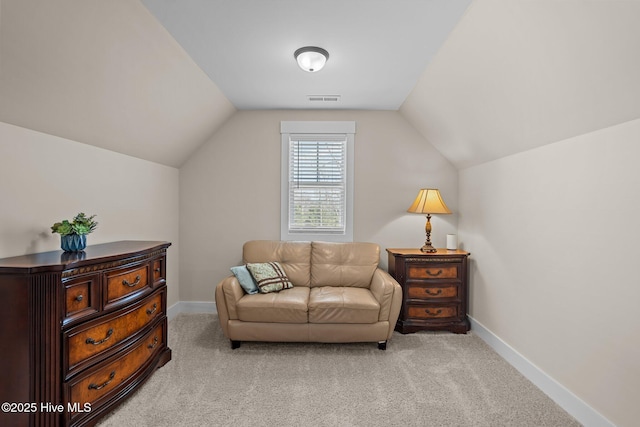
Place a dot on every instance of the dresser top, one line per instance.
(60, 260)
(412, 252)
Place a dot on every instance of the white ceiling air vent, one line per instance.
(323, 98)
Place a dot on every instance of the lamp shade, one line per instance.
(311, 58)
(429, 201)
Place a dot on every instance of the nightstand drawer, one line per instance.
(432, 271)
(425, 292)
(425, 312)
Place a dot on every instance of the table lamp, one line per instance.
(429, 201)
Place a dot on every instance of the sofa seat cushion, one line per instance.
(286, 306)
(338, 304)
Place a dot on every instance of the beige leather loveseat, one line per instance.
(339, 295)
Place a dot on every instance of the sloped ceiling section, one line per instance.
(105, 73)
(515, 75)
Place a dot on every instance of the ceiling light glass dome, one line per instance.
(311, 58)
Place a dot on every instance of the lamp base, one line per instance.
(427, 248)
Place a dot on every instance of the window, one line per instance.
(317, 184)
(317, 181)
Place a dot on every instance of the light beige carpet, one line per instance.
(422, 379)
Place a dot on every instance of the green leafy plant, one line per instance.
(80, 225)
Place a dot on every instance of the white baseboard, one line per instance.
(568, 401)
(191, 307)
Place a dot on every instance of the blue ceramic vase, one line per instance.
(73, 242)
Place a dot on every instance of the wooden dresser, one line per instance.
(80, 331)
(434, 289)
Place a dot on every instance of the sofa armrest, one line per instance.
(228, 293)
(388, 293)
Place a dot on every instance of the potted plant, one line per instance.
(73, 234)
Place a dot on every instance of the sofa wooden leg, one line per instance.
(382, 345)
(235, 344)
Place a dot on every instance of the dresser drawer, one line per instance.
(122, 283)
(432, 271)
(430, 312)
(84, 342)
(113, 375)
(81, 297)
(158, 267)
(426, 292)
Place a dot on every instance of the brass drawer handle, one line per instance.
(94, 342)
(436, 274)
(439, 311)
(79, 298)
(432, 293)
(136, 282)
(93, 386)
(154, 343)
(153, 309)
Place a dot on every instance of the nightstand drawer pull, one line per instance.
(93, 386)
(136, 282)
(432, 293)
(94, 342)
(430, 313)
(79, 298)
(436, 274)
(153, 309)
(154, 343)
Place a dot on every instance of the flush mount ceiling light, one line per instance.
(311, 58)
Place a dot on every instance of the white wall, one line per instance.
(45, 179)
(230, 190)
(553, 234)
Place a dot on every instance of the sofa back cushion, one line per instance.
(295, 257)
(343, 264)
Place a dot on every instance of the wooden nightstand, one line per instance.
(434, 288)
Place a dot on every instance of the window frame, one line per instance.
(289, 128)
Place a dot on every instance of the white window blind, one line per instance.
(316, 199)
(317, 183)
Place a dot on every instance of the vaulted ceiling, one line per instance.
(104, 73)
(515, 75)
(480, 79)
(377, 49)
